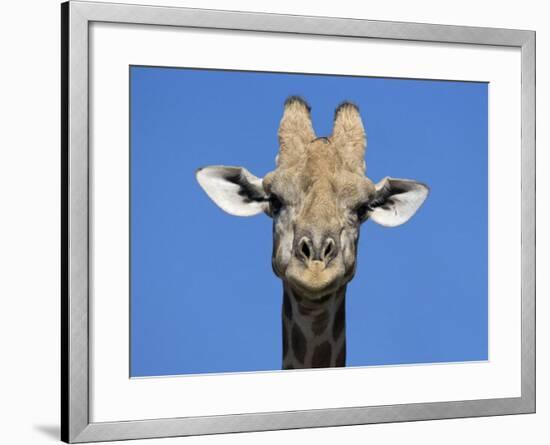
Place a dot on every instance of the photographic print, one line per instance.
(263, 230)
(283, 221)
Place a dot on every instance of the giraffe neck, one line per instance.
(314, 333)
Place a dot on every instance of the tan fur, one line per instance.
(320, 179)
(349, 135)
(295, 132)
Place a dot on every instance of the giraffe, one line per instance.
(318, 196)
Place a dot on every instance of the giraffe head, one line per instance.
(318, 196)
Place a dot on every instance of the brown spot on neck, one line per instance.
(322, 356)
(287, 306)
(298, 342)
(339, 325)
(341, 357)
(320, 322)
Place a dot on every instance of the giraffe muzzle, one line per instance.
(308, 251)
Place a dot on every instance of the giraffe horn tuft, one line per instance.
(349, 133)
(295, 130)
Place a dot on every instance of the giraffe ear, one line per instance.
(396, 201)
(234, 189)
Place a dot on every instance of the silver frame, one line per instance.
(76, 18)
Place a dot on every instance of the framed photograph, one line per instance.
(275, 222)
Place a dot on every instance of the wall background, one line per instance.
(29, 221)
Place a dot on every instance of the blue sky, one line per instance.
(203, 295)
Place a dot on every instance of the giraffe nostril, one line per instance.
(306, 251)
(329, 248)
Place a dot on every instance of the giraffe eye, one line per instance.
(362, 211)
(275, 204)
